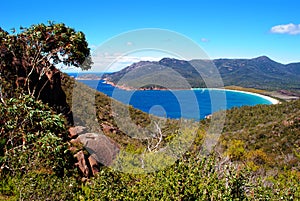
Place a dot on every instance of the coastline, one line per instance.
(270, 99)
(128, 88)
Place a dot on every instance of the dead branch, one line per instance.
(42, 89)
(1, 95)
(158, 136)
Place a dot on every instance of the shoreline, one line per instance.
(266, 97)
(273, 101)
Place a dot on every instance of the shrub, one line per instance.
(32, 138)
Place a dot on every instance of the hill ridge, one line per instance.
(260, 72)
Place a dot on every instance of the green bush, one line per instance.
(32, 138)
(190, 178)
(39, 186)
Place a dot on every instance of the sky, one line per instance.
(222, 29)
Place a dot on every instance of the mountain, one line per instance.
(294, 68)
(260, 72)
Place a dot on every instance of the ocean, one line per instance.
(190, 104)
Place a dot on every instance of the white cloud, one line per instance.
(125, 61)
(129, 43)
(109, 62)
(204, 40)
(92, 47)
(290, 28)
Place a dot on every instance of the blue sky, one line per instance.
(223, 29)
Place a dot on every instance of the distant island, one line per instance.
(89, 76)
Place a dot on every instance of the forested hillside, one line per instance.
(257, 158)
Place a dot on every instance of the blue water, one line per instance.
(191, 104)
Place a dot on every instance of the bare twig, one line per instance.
(142, 160)
(149, 145)
(158, 136)
(28, 80)
(42, 89)
(1, 95)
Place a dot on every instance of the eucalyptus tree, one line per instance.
(28, 59)
(29, 55)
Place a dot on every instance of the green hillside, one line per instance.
(257, 158)
(273, 130)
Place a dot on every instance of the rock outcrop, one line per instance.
(92, 150)
(75, 131)
(82, 164)
(100, 147)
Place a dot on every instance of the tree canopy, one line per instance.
(30, 54)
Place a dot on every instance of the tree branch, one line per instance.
(27, 80)
(42, 89)
(1, 95)
(158, 136)
(37, 54)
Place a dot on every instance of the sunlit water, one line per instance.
(191, 104)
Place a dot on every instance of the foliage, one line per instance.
(32, 138)
(235, 150)
(270, 134)
(250, 138)
(284, 186)
(26, 57)
(190, 178)
(38, 186)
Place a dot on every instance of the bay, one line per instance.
(192, 104)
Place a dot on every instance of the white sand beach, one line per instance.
(272, 100)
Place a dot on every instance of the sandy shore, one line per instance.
(272, 100)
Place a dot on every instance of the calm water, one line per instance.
(192, 104)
